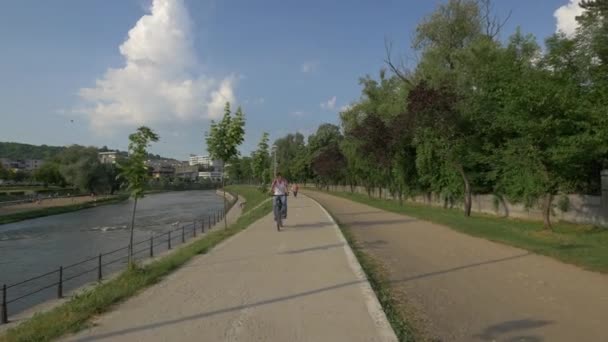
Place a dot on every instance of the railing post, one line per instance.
(202, 226)
(151, 245)
(169, 240)
(194, 229)
(99, 268)
(183, 234)
(3, 310)
(209, 217)
(60, 287)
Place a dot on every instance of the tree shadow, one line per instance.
(493, 332)
(360, 213)
(449, 270)
(595, 230)
(372, 224)
(309, 225)
(218, 312)
(566, 247)
(312, 249)
(373, 244)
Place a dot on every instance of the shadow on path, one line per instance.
(494, 332)
(218, 312)
(431, 274)
(312, 249)
(371, 224)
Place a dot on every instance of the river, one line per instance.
(33, 247)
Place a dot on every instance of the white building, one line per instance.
(107, 157)
(205, 161)
(213, 175)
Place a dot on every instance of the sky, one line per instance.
(91, 72)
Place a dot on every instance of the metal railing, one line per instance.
(102, 262)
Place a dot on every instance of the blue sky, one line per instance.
(280, 60)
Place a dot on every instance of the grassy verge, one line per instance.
(74, 315)
(379, 283)
(35, 213)
(253, 195)
(582, 245)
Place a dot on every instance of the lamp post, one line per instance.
(274, 152)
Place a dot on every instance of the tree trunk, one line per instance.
(132, 228)
(468, 202)
(548, 200)
(401, 198)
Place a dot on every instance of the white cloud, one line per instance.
(309, 66)
(260, 101)
(566, 17)
(161, 80)
(329, 104)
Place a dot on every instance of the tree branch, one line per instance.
(388, 60)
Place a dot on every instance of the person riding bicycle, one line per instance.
(295, 189)
(280, 188)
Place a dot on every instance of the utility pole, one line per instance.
(274, 151)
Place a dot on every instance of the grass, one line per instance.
(582, 245)
(252, 193)
(35, 213)
(75, 314)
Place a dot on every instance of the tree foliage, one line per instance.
(476, 115)
(260, 161)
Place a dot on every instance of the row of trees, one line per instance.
(476, 115)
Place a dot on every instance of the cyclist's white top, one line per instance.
(280, 187)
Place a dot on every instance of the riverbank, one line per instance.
(54, 206)
(74, 315)
(48, 207)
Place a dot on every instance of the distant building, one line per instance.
(215, 176)
(162, 171)
(205, 161)
(6, 163)
(33, 164)
(108, 157)
(28, 165)
(185, 171)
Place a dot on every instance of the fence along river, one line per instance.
(39, 246)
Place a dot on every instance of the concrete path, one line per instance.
(301, 284)
(462, 288)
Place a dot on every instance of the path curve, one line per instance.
(463, 288)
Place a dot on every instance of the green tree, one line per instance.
(260, 161)
(224, 138)
(80, 167)
(287, 149)
(49, 173)
(4, 173)
(326, 160)
(552, 135)
(135, 172)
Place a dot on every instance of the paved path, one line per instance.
(301, 284)
(469, 289)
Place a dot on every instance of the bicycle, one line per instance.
(278, 210)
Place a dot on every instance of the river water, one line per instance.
(33, 247)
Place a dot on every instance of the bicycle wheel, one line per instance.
(277, 214)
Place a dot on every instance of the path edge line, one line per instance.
(374, 308)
